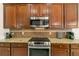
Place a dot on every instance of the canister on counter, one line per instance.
(59, 35)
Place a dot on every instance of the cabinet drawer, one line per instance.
(18, 45)
(74, 45)
(60, 45)
(4, 44)
(60, 52)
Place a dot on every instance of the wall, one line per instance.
(1, 15)
(76, 30)
(1, 22)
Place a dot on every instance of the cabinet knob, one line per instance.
(60, 46)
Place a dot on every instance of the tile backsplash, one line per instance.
(33, 34)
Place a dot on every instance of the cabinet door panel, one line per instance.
(75, 46)
(74, 52)
(10, 16)
(60, 52)
(4, 51)
(34, 9)
(44, 10)
(71, 17)
(22, 16)
(56, 16)
(19, 52)
(60, 46)
(19, 49)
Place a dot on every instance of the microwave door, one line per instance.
(41, 22)
(35, 23)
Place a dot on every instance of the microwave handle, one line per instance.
(41, 22)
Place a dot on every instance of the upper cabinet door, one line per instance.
(34, 9)
(44, 10)
(16, 16)
(22, 16)
(56, 16)
(10, 16)
(71, 15)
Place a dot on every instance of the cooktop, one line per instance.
(39, 39)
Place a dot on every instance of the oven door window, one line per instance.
(38, 52)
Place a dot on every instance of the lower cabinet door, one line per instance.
(74, 52)
(60, 52)
(19, 51)
(4, 51)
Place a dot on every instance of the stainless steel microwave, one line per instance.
(39, 22)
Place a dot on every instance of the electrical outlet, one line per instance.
(50, 33)
(22, 33)
(12, 33)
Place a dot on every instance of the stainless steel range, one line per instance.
(39, 47)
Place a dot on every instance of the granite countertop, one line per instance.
(52, 40)
(64, 40)
(16, 40)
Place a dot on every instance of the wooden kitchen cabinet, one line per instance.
(34, 9)
(4, 49)
(44, 10)
(56, 16)
(19, 49)
(74, 49)
(60, 50)
(23, 14)
(71, 15)
(10, 16)
(74, 52)
(39, 10)
(16, 16)
(61, 16)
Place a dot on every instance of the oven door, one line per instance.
(38, 52)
